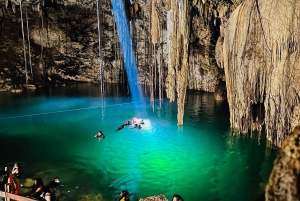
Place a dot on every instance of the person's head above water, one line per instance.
(177, 197)
(38, 181)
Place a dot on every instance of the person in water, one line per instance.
(128, 123)
(48, 190)
(177, 197)
(100, 135)
(55, 182)
(36, 188)
(138, 126)
(121, 127)
(125, 196)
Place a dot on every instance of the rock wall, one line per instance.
(260, 56)
(284, 180)
(63, 43)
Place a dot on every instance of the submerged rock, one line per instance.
(155, 198)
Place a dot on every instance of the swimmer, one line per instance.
(133, 120)
(121, 127)
(128, 123)
(99, 135)
(177, 197)
(125, 196)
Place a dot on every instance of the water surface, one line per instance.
(50, 132)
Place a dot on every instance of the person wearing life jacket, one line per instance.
(177, 197)
(125, 196)
(13, 184)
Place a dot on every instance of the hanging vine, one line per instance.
(99, 41)
(29, 50)
(24, 47)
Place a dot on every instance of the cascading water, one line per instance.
(128, 53)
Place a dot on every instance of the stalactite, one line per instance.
(263, 67)
(24, 47)
(145, 58)
(178, 32)
(156, 35)
(182, 70)
(161, 63)
(155, 67)
(29, 50)
(171, 46)
(151, 79)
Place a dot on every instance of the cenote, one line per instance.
(50, 132)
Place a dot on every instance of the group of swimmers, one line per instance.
(39, 191)
(134, 122)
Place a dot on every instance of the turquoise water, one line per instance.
(50, 132)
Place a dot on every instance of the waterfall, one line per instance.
(128, 51)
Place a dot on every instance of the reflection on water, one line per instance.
(50, 131)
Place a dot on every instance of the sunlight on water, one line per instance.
(200, 161)
(128, 53)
